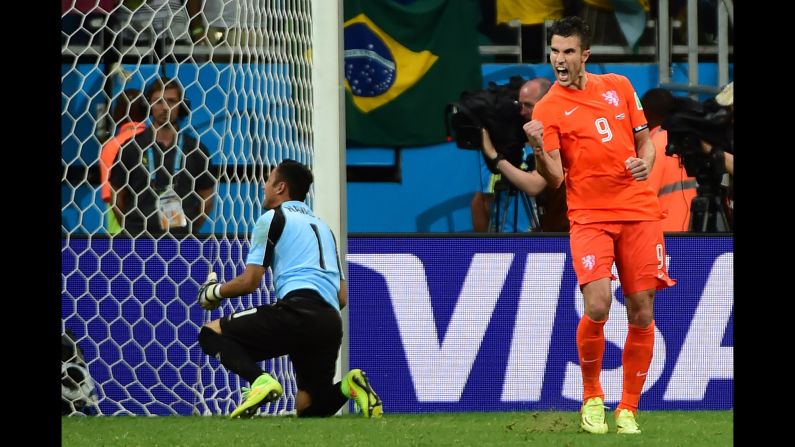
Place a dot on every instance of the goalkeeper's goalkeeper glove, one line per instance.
(210, 293)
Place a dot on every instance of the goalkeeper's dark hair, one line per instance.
(297, 176)
(571, 26)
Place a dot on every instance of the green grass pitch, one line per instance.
(660, 428)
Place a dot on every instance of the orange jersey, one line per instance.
(111, 149)
(594, 129)
(674, 188)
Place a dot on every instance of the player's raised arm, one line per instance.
(548, 164)
(640, 166)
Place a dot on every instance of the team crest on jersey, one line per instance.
(611, 97)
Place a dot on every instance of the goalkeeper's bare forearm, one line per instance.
(245, 283)
(211, 293)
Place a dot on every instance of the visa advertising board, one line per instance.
(488, 324)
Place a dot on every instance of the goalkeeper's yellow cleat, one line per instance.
(264, 389)
(356, 386)
(625, 422)
(592, 416)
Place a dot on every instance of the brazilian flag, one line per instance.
(404, 62)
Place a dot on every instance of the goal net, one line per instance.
(245, 70)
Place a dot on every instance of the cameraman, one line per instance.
(551, 202)
(701, 135)
(668, 179)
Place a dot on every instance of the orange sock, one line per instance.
(638, 350)
(591, 349)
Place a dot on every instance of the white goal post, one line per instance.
(262, 82)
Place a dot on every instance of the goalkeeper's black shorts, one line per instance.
(301, 325)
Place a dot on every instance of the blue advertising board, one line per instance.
(439, 323)
(489, 324)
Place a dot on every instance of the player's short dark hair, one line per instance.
(571, 26)
(658, 103)
(297, 176)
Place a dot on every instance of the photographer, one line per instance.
(668, 179)
(701, 135)
(551, 202)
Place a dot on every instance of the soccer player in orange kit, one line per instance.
(593, 127)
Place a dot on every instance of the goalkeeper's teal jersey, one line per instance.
(300, 249)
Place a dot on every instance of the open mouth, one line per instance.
(563, 74)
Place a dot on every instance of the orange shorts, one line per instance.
(637, 248)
